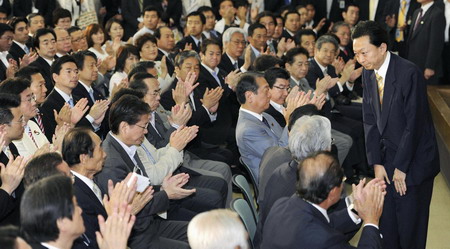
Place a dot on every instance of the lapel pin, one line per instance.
(36, 132)
(421, 22)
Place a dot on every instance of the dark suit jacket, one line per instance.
(276, 115)
(335, 12)
(55, 101)
(130, 12)
(117, 166)
(16, 51)
(364, 13)
(170, 65)
(286, 35)
(226, 66)
(426, 42)
(160, 136)
(23, 8)
(174, 10)
(401, 133)
(2, 71)
(9, 205)
(188, 40)
(294, 223)
(45, 71)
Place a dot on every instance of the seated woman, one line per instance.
(95, 36)
(114, 35)
(127, 57)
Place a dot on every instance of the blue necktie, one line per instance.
(91, 93)
(214, 74)
(70, 102)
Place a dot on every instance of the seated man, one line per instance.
(256, 131)
(302, 221)
(220, 228)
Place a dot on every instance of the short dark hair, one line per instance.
(197, 13)
(108, 25)
(41, 166)
(157, 32)
(128, 109)
(254, 26)
(376, 33)
(141, 40)
(303, 32)
(151, 8)
(205, 8)
(126, 91)
(43, 204)
(57, 64)
(14, 85)
(27, 72)
(122, 55)
(8, 236)
(290, 12)
(138, 83)
(8, 101)
(247, 82)
(208, 42)
(316, 188)
(77, 142)
(80, 57)
(141, 67)
(5, 28)
(3, 10)
(73, 29)
(60, 13)
(265, 14)
(272, 74)
(42, 32)
(241, 3)
(291, 53)
(16, 20)
(266, 61)
(350, 4)
(92, 29)
(308, 109)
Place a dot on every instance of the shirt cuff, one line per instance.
(243, 69)
(372, 225)
(339, 84)
(212, 117)
(91, 120)
(355, 218)
(349, 86)
(175, 126)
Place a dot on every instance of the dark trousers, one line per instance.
(161, 234)
(404, 223)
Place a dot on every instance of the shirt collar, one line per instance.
(196, 40)
(130, 150)
(216, 70)
(88, 88)
(297, 82)
(256, 51)
(231, 59)
(254, 114)
(48, 246)
(384, 67)
(65, 96)
(321, 209)
(22, 46)
(277, 106)
(148, 30)
(426, 7)
(289, 32)
(50, 62)
(87, 181)
(322, 68)
(164, 52)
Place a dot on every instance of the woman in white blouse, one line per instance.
(127, 57)
(95, 37)
(114, 35)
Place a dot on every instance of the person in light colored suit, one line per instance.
(256, 131)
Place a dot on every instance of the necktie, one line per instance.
(97, 192)
(70, 102)
(418, 19)
(26, 49)
(199, 44)
(141, 4)
(214, 74)
(91, 93)
(325, 72)
(380, 84)
(30, 133)
(399, 35)
(212, 34)
(264, 120)
(272, 48)
(139, 166)
(235, 65)
(39, 121)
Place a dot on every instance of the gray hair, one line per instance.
(216, 229)
(337, 25)
(308, 135)
(226, 36)
(181, 57)
(327, 39)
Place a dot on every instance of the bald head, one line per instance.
(318, 174)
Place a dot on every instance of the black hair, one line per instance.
(60, 13)
(291, 53)
(42, 32)
(208, 42)
(8, 236)
(16, 20)
(4, 28)
(303, 32)
(122, 55)
(126, 91)
(266, 14)
(14, 85)
(8, 101)
(247, 82)
(199, 14)
(376, 33)
(151, 8)
(42, 166)
(272, 74)
(266, 61)
(27, 72)
(350, 4)
(108, 26)
(141, 67)
(141, 40)
(43, 204)
(73, 29)
(255, 26)
(128, 109)
(77, 142)
(57, 64)
(80, 57)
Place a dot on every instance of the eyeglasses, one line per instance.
(155, 93)
(143, 127)
(283, 88)
(79, 39)
(236, 42)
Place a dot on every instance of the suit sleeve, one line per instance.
(436, 41)
(127, 14)
(371, 132)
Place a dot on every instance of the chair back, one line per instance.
(244, 211)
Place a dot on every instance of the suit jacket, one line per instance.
(253, 137)
(2, 71)
(426, 42)
(117, 166)
(169, 61)
(400, 134)
(364, 10)
(188, 40)
(276, 115)
(286, 35)
(55, 101)
(130, 12)
(45, 71)
(226, 66)
(315, 72)
(23, 8)
(9, 205)
(335, 13)
(159, 135)
(294, 223)
(16, 51)
(27, 146)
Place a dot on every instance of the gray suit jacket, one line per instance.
(117, 166)
(253, 137)
(303, 85)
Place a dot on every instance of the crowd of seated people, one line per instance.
(123, 121)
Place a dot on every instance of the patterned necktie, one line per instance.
(40, 123)
(235, 65)
(97, 192)
(26, 49)
(70, 102)
(380, 84)
(416, 24)
(399, 35)
(30, 133)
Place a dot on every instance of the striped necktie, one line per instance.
(380, 84)
(39, 122)
(399, 35)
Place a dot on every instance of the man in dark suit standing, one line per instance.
(426, 40)
(400, 137)
(194, 29)
(19, 46)
(44, 42)
(303, 221)
(45, 8)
